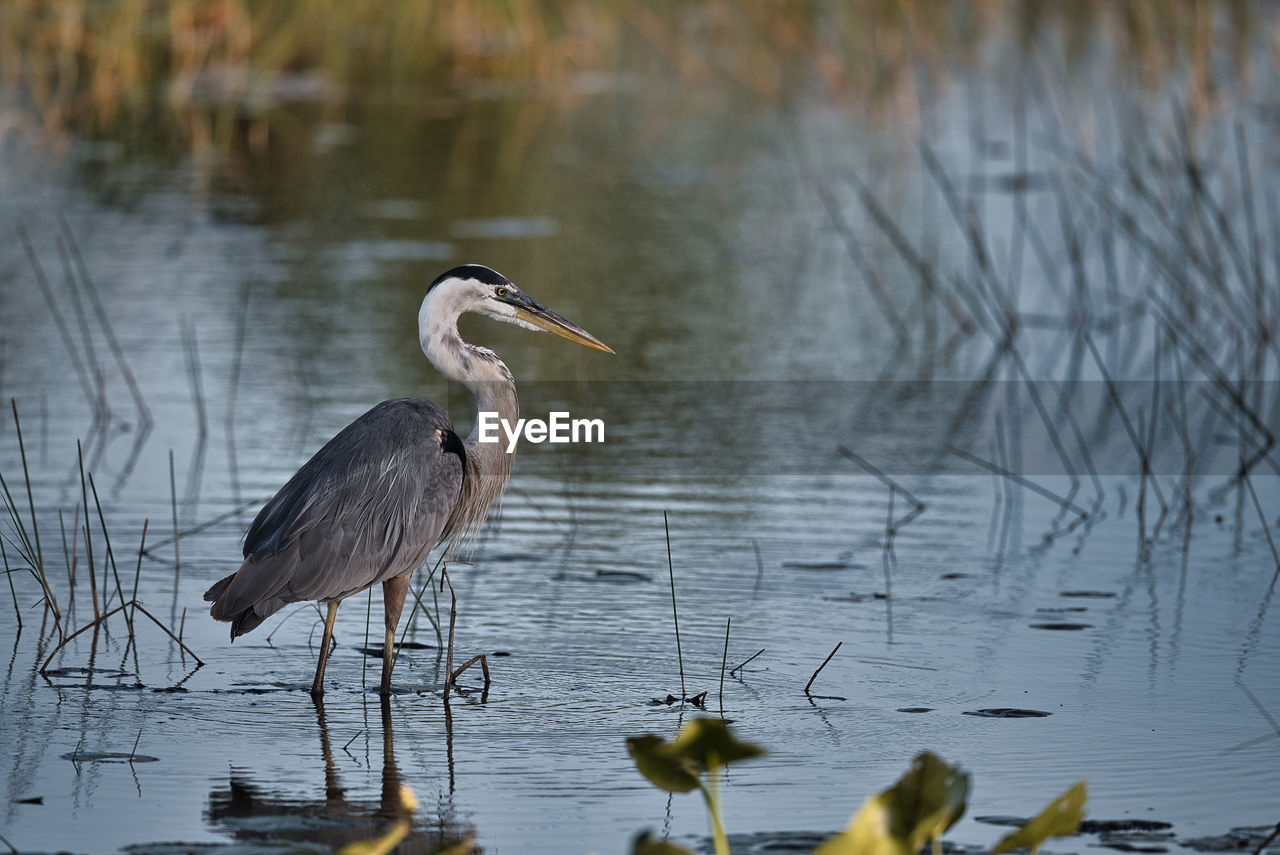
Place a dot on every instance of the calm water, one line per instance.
(775, 259)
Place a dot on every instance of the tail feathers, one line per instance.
(216, 590)
(250, 619)
(247, 621)
(232, 605)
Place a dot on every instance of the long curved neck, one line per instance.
(477, 368)
(490, 381)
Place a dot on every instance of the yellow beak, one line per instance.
(540, 316)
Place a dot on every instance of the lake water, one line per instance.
(810, 239)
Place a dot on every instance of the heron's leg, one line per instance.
(317, 687)
(394, 592)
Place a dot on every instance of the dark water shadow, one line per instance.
(261, 814)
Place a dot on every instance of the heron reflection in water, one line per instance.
(396, 482)
(262, 813)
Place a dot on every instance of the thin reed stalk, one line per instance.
(1266, 841)
(23, 543)
(111, 558)
(36, 558)
(809, 684)
(724, 658)
(88, 540)
(453, 619)
(137, 570)
(675, 614)
(8, 574)
(418, 604)
(93, 580)
(68, 557)
(744, 663)
(173, 505)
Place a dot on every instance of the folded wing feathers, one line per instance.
(368, 506)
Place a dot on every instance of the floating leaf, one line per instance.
(867, 834)
(1061, 818)
(708, 744)
(646, 844)
(653, 757)
(702, 745)
(920, 807)
(927, 800)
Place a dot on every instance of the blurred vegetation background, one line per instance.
(246, 75)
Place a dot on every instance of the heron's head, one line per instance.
(480, 289)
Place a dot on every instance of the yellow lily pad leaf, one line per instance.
(708, 744)
(899, 821)
(867, 834)
(1061, 818)
(926, 801)
(665, 770)
(704, 744)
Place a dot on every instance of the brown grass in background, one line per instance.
(200, 72)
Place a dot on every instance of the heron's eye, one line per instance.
(501, 292)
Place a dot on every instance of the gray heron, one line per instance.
(395, 483)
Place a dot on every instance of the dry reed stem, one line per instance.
(484, 666)
(809, 684)
(743, 664)
(724, 658)
(97, 622)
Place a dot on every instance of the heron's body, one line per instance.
(378, 497)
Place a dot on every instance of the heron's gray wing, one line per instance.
(368, 506)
